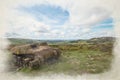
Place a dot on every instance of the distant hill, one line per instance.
(92, 40)
(101, 40)
(27, 41)
(20, 41)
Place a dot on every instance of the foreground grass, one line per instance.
(82, 56)
(77, 62)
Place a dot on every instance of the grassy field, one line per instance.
(80, 62)
(78, 58)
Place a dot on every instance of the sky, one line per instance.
(46, 21)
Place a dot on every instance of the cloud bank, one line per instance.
(57, 20)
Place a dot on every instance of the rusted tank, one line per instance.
(34, 55)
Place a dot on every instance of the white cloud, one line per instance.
(93, 17)
(85, 30)
(99, 33)
(82, 18)
(26, 26)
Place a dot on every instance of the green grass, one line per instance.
(77, 57)
(78, 62)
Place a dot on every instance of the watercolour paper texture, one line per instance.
(59, 40)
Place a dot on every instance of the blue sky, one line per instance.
(49, 14)
(46, 21)
(107, 23)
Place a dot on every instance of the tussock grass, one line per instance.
(78, 62)
(78, 58)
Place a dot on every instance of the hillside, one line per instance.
(92, 40)
(101, 40)
(78, 56)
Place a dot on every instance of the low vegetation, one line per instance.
(78, 56)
